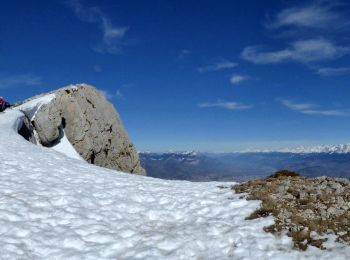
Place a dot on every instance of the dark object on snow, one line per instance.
(284, 173)
(3, 104)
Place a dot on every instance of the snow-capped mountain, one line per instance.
(340, 148)
(190, 156)
(53, 206)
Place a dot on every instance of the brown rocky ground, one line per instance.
(302, 206)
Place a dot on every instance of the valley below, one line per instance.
(194, 166)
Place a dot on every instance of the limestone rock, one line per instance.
(47, 124)
(91, 124)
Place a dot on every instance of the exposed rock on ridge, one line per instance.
(92, 126)
(310, 210)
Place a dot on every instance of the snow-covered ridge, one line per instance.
(341, 148)
(179, 156)
(338, 149)
(55, 207)
(188, 153)
(31, 107)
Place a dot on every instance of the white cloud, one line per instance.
(19, 81)
(312, 109)
(111, 35)
(304, 51)
(251, 53)
(318, 15)
(237, 79)
(110, 32)
(296, 106)
(330, 72)
(221, 65)
(230, 105)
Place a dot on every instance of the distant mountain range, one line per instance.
(340, 148)
(240, 166)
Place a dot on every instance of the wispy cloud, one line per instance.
(119, 94)
(237, 79)
(183, 53)
(304, 51)
(97, 68)
(317, 15)
(312, 109)
(230, 105)
(23, 80)
(330, 72)
(106, 94)
(296, 106)
(221, 65)
(111, 35)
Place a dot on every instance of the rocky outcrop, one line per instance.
(27, 131)
(307, 209)
(92, 126)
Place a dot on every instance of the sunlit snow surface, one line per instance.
(32, 106)
(65, 147)
(55, 207)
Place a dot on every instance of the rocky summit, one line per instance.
(92, 126)
(307, 209)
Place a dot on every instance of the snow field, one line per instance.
(56, 207)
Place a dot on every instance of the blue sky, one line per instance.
(191, 75)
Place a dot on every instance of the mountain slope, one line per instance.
(56, 207)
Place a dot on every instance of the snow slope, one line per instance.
(56, 207)
(32, 106)
(65, 147)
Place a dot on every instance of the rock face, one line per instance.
(92, 126)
